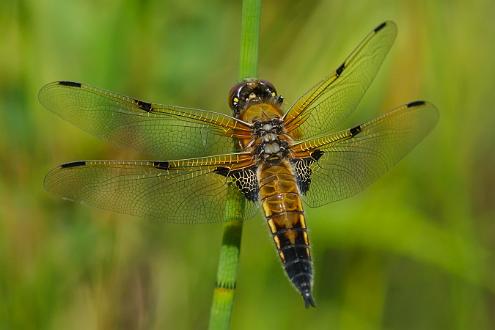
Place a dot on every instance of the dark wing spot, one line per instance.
(415, 104)
(144, 105)
(73, 164)
(340, 69)
(379, 27)
(223, 171)
(69, 83)
(317, 154)
(161, 165)
(355, 130)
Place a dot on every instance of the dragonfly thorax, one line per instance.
(268, 130)
(273, 151)
(269, 141)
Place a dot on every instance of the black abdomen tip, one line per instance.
(302, 282)
(308, 299)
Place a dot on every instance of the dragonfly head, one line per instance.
(250, 91)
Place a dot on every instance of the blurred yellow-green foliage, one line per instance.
(415, 251)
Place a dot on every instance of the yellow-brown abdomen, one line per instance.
(281, 204)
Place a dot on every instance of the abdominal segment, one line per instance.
(281, 204)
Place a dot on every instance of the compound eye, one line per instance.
(269, 87)
(234, 95)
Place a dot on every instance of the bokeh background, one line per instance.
(414, 251)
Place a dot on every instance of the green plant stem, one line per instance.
(250, 34)
(223, 294)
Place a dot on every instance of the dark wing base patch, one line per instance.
(244, 179)
(302, 168)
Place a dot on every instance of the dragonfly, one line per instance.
(276, 160)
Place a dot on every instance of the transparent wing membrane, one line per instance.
(329, 167)
(333, 99)
(160, 131)
(188, 191)
(353, 159)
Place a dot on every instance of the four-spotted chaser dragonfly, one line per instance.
(282, 158)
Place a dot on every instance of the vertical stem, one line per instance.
(250, 32)
(223, 294)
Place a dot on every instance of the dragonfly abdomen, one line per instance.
(282, 207)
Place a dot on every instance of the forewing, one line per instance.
(188, 191)
(352, 159)
(328, 103)
(160, 131)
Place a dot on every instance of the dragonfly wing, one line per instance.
(160, 131)
(185, 191)
(350, 160)
(329, 102)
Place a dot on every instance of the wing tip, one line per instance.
(431, 109)
(76, 163)
(421, 103)
(388, 23)
(387, 28)
(379, 27)
(44, 91)
(417, 103)
(69, 83)
(52, 174)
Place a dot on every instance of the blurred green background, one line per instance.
(415, 251)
